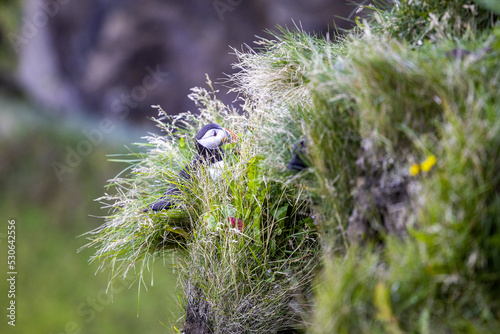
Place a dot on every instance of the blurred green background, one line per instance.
(57, 290)
(64, 67)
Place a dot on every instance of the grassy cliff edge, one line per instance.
(394, 227)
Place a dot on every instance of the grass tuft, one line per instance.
(253, 276)
(400, 122)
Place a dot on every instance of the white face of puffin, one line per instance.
(213, 138)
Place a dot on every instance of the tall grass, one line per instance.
(410, 97)
(254, 275)
(439, 98)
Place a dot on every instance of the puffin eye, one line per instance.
(215, 133)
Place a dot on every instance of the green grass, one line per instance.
(412, 83)
(253, 279)
(423, 20)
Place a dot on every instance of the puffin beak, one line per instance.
(231, 137)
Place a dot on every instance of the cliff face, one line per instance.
(117, 58)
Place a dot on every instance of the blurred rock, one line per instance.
(381, 198)
(117, 58)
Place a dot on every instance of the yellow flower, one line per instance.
(425, 166)
(428, 163)
(414, 169)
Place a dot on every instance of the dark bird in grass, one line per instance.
(208, 141)
(299, 161)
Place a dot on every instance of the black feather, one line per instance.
(205, 156)
(298, 161)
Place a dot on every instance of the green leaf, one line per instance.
(253, 175)
(496, 43)
(210, 220)
(281, 213)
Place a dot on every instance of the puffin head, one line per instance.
(212, 136)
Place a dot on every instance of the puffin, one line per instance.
(208, 142)
(299, 161)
